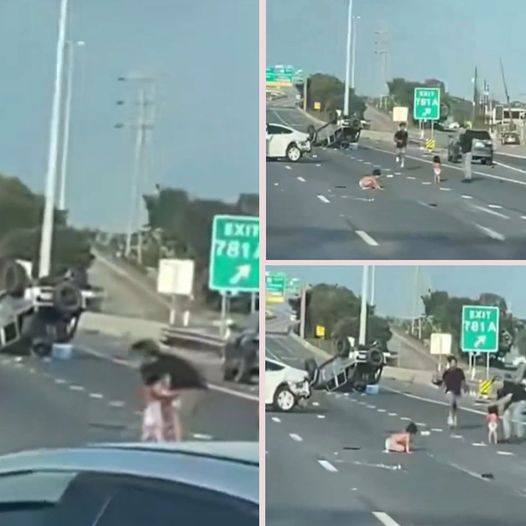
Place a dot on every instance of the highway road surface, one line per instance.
(325, 463)
(316, 210)
(94, 396)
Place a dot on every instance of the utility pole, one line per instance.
(143, 124)
(355, 24)
(70, 45)
(303, 311)
(305, 92)
(46, 240)
(475, 97)
(363, 310)
(348, 62)
(373, 272)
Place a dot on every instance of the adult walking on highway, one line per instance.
(467, 156)
(454, 381)
(400, 138)
(511, 401)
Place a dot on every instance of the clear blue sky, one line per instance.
(205, 56)
(395, 286)
(442, 39)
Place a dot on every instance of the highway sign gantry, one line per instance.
(480, 329)
(426, 104)
(234, 254)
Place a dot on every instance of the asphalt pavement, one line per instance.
(325, 463)
(95, 396)
(316, 210)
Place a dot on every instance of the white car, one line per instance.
(285, 142)
(285, 386)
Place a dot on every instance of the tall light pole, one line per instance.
(355, 19)
(363, 309)
(348, 62)
(142, 125)
(51, 174)
(70, 45)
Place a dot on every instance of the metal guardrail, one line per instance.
(173, 336)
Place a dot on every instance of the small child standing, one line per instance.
(492, 418)
(437, 168)
(401, 442)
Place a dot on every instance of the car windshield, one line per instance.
(127, 266)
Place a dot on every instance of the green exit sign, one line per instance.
(275, 282)
(426, 104)
(234, 255)
(480, 329)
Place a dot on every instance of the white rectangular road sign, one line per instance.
(176, 276)
(440, 343)
(400, 113)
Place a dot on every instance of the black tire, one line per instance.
(67, 299)
(375, 358)
(41, 347)
(13, 278)
(228, 374)
(341, 347)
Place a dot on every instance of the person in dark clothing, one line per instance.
(467, 156)
(400, 139)
(454, 381)
(511, 400)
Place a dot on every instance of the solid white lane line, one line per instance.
(509, 167)
(276, 419)
(327, 465)
(492, 212)
(323, 199)
(367, 238)
(299, 178)
(385, 519)
(295, 437)
(490, 233)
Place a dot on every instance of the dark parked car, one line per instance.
(241, 354)
(481, 146)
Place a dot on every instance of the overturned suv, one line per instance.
(351, 367)
(34, 316)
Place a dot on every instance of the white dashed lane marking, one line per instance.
(76, 388)
(367, 238)
(96, 395)
(276, 419)
(321, 416)
(492, 212)
(507, 453)
(116, 403)
(60, 381)
(295, 437)
(327, 465)
(323, 199)
(385, 519)
(490, 233)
